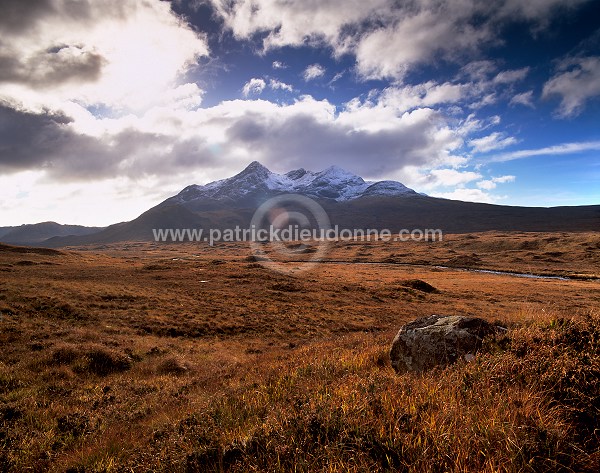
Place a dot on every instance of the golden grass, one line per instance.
(125, 361)
(528, 403)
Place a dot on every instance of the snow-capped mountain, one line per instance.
(350, 202)
(256, 180)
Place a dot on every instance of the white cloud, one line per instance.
(174, 139)
(525, 99)
(577, 81)
(337, 77)
(405, 36)
(313, 71)
(489, 184)
(100, 53)
(298, 22)
(468, 195)
(427, 94)
(380, 111)
(435, 178)
(491, 142)
(417, 36)
(514, 75)
(278, 85)
(279, 65)
(387, 37)
(26, 195)
(503, 179)
(484, 85)
(449, 177)
(537, 10)
(487, 99)
(565, 148)
(479, 70)
(254, 87)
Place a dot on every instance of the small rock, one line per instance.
(437, 340)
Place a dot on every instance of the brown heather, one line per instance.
(142, 357)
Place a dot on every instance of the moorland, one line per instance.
(143, 356)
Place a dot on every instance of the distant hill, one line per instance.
(5, 230)
(350, 202)
(39, 232)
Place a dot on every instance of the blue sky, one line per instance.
(107, 108)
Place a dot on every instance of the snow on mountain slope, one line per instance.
(332, 183)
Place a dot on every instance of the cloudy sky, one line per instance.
(107, 107)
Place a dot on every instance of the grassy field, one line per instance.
(148, 357)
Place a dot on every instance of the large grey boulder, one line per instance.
(437, 340)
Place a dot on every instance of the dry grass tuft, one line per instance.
(93, 359)
(172, 365)
(419, 285)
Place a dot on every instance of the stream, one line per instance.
(470, 270)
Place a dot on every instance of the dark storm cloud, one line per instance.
(26, 139)
(18, 16)
(30, 141)
(44, 64)
(55, 66)
(43, 140)
(303, 141)
(51, 64)
(150, 154)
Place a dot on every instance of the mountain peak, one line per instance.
(340, 177)
(335, 168)
(337, 171)
(258, 182)
(256, 167)
(296, 174)
(254, 173)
